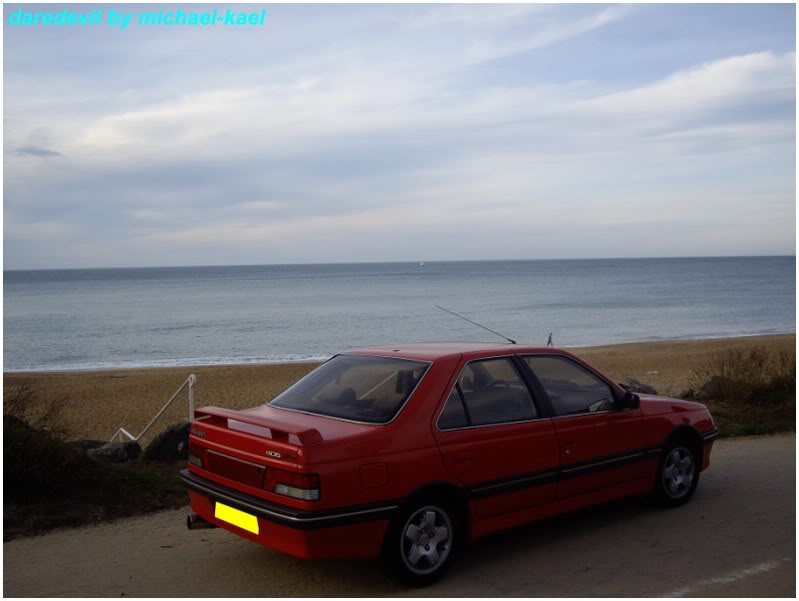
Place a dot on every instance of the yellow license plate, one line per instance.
(245, 521)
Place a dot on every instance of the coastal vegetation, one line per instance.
(749, 391)
(50, 482)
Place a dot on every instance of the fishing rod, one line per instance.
(477, 324)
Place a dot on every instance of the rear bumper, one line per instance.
(354, 532)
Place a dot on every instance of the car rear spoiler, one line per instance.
(280, 430)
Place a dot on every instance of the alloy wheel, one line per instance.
(678, 472)
(426, 540)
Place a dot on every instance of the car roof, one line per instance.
(430, 351)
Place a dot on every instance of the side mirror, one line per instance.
(630, 400)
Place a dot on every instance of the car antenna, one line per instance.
(477, 324)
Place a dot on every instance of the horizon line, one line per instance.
(409, 261)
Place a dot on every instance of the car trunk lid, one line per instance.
(242, 446)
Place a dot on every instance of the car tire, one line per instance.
(421, 541)
(677, 474)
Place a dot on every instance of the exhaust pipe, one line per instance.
(195, 522)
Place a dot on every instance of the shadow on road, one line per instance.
(486, 556)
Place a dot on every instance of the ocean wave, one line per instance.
(315, 358)
(186, 362)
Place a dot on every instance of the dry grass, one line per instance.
(669, 365)
(21, 401)
(749, 391)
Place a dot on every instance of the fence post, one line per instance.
(192, 381)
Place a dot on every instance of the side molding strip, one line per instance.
(546, 477)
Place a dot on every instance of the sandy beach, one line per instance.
(93, 404)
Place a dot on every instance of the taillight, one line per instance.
(196, 455)
(291, 484)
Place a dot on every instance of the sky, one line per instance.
(402, 133)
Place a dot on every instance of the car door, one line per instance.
(600, 446)
(496, 441)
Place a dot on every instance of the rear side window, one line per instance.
(487, 392)
(571, 388)
(453, 415)
(357, 387)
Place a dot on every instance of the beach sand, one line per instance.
(94, 404)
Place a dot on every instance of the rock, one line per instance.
(12, 421)
(635, 386)
(116, 452)
(86, 444)
(170, 445)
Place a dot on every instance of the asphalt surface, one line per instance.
(737, 537)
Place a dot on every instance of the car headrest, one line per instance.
(336, 392)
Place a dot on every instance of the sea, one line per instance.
(81, 319)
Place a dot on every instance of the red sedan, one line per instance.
(410, 451)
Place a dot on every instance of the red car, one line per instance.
(409, 451)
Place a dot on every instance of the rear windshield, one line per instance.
(361, 388)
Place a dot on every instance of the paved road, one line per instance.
(736, 538)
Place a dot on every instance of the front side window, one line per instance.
(571, 388)
(487, 392)
(356, 387)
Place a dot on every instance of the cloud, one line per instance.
(756, 78)
(357, 126)
(539, 35)
(41, 230)
(34, 151)
(474, 15)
